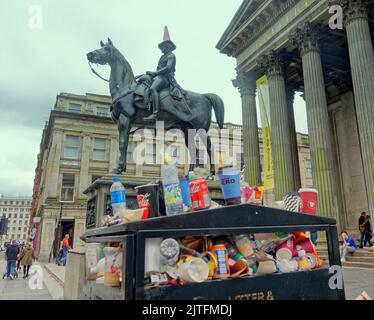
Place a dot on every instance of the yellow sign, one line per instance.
(263, 97)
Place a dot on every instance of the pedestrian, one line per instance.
(348, 246)
(19, 257)
(368, 231)
(361, 228)
(65, 246)
(11, 258)
(28, 257)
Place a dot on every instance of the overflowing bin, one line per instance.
(235, 281)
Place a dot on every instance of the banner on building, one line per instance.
(263, 97)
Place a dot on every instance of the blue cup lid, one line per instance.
(116, 179)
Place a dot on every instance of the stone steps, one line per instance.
(362, 258)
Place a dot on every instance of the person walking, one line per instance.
(19, 257)
(361, 228)
(11, 258)
(27, 259)
(368, 231)
(348, 245)
(65, 246)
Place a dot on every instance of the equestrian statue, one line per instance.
(156, 96)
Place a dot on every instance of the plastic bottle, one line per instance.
(303, 263)
(172, 191)
(118, 198)
(233, 251)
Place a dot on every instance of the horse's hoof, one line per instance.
(210, 178)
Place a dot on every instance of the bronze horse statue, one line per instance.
(129, 108)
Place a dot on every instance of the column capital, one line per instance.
(353, 9)
(306, 38)
(246, 83)
(272, 64)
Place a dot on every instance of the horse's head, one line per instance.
(102, 55)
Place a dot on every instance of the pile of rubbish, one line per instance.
(197, 259)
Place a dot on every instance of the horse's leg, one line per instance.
(192, 154)
(208, 145)
(124, 127)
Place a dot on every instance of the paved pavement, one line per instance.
(357, 280)
(21, 289)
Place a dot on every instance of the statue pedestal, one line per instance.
(98, 195)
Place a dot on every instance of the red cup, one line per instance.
(309, 201)
(286, 250)
(306, 245)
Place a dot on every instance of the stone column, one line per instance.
(362, 67)
(293, 137)
(284, 180)
(246, 84)
(113, 154)
(318, 119)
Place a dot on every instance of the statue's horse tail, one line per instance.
(218, 106)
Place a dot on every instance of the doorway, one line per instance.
(67, 227)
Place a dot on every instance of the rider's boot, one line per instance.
(153, 116)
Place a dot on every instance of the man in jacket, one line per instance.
(11, 257)
(361, 227)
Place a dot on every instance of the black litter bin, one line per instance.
(233, 220)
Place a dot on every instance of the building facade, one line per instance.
(80, 144)
(17, 211)
(298, 45)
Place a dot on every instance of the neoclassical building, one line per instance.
(291, 42)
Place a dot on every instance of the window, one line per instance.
(18, 237)
(239, 161)
(14, 221)
(67, 188)
(22, 209)
(129, 154)
(14, 229)
(99, 151)
(26, 222)
(19, 221)
(201, 158)
(15, 215)
(75, 108)
(308, 167)
(25, 229)
(150, 153)
(10, 209)
(5, 209)
(16, 203)
(71, 147)
(21, 216)
(102, 111)
(10, 215)
(175, 153)
(23, 203)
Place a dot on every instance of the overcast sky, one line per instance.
(37, 64)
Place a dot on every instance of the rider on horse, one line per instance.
(164, 76)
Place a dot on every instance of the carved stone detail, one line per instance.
(306, 38)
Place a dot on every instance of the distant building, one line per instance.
(80, 144)
(17, 211)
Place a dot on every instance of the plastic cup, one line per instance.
(194, 270)
(185, 187)
(148, 197)
(229, 178)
